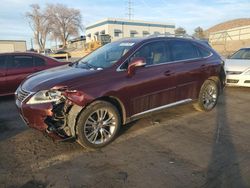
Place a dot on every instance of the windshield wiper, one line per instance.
(90, 66)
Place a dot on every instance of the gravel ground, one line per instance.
(178, 147)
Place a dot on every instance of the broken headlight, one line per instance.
(45, 96)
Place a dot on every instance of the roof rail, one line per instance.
(173, 35)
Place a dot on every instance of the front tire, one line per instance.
(98, 125)
(208, 96)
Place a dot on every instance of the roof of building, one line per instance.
(230, 25)
(12, 40)
(129, 22)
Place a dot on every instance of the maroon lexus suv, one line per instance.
(120, 82)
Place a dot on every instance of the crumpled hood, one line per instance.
(237, 65)
(54, 77)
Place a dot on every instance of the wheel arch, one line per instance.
(76, 110)
(117, 103)
(218, 81)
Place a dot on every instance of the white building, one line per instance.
(123, 28)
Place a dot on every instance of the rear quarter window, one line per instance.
(38, 61)
(2, 62)
(204, 52)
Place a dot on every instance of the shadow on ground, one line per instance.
(223, 169)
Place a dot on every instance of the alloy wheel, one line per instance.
(100, 126)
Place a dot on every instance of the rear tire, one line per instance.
(208, 96)
(98, 125)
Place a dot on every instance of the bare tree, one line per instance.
(180, 31)
(39, 23)
(199, 33)
(65, 22)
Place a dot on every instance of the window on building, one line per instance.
(183, 50)
(145, 33)
(117, 32)
(157, 33)
(133, 33)
(102, 32)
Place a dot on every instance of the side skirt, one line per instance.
(142, 114)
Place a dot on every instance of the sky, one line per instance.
(188, 14)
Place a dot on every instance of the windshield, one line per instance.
(241, 54)
(105, 56)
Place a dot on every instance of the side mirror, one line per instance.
(136, 62)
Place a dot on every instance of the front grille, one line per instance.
(22, 94)
(233, 72)
(247, 82)
(231, 81)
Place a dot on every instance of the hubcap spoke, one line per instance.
(104, 114)
(91, 135)
(96, 134)
(210, 97)
(106, 133)
(90, 119)
(110, 120)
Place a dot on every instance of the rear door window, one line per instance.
(21, 61)
(183, 50)
(39, 62)
(2, 62)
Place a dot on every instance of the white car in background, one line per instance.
(238, 68)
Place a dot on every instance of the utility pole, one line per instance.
(130, 9)
(31, 43)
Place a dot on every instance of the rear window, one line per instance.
(39, 61)
(183, 50)
(21, 62)
(2, 62)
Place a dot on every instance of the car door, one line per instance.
(154, 85)
(188, 68)
(3, 75)
(18, 68)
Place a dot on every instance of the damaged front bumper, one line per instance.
(62, 120)
(56, 119)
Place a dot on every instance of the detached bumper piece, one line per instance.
(57, 122)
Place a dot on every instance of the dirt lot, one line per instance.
(175, 148)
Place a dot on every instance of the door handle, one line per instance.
(168, 73)
(203, 66)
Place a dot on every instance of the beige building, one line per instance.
(230, 36)
(12, 46)
(123, 28)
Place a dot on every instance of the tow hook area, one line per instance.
(57, 122)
